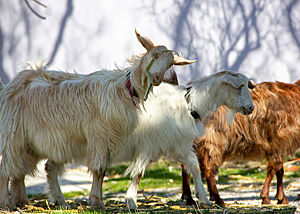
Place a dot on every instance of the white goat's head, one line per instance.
(236, 87)
(157, 61)
(224, 88)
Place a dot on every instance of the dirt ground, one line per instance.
(243, 192)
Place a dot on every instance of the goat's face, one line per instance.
(238, 97)
(158, 60)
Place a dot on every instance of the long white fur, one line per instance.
(57, 115)
(166, 128)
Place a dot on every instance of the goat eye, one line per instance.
(241, 86)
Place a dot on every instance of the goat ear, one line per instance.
(251, 85)
(146, 42)
(178, 60)
(235, 81)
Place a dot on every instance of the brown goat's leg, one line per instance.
(18, 191)
(186, 187)
(212, 188)
(4, 194)
(209, 171)
(280, 196)
(266, 188)
(96, 198)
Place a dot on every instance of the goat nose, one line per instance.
(251, 108)
(157, 79)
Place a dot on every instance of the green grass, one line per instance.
(254, 173)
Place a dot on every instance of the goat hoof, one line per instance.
(21, 204)
(131, 204)
(205, 205)
(98, 205)
(266, 201)
(220, 203)
(4, 205)
(190, 201)
(283, 201)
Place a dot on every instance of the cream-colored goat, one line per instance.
(43, 116)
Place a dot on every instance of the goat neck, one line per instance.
(203, 97)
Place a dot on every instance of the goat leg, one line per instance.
(55, 195)
(199, 188)
(266, 188)
(18, 191)
(186, 187)
(4, 194)
(96, 197)
(280, 196)
(131, 194)
(212, 188)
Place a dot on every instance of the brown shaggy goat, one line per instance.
(272, 133)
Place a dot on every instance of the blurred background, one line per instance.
(260, 38)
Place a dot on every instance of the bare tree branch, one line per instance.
(289, 10)
(3, 75)
(33, 11)
(63, 24)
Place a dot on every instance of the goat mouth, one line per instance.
(246, 111)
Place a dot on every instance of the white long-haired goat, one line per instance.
(56, 116)
(169, 125)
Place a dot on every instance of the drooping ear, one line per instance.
(178, 60)
(171, 78)
(146, 42)
(235, 81)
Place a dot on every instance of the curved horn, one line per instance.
(178, 60)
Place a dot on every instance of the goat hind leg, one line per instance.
(280, 196)
(18, 192)
(96, 197)
(4, 194)
(186, 186)
(192, 163)
(55, 195)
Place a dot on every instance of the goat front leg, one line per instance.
(212, 188)
(186, 186)
(131, 194)
(4, 194)
(210, 171)
(55, 195)
(199, 188)
(18, 192)
(266, 188)
(191, 162)
(96, 197)
(280, 196)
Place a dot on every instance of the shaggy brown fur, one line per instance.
(272, 134)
